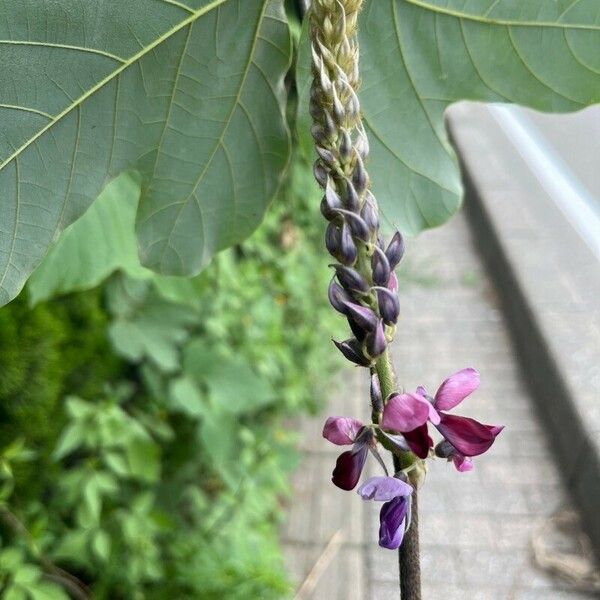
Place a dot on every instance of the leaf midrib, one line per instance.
(489, 21)
(165, 36)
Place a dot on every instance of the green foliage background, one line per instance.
(143, 444)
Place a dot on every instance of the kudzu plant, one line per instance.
(197, 98)
(365, 291)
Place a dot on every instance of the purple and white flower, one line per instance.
(396, 495)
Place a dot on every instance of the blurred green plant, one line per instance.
(167, 483)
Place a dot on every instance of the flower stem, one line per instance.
(408, 555)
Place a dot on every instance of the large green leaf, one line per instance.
(190, 93)
(419, 56)
(93, 247)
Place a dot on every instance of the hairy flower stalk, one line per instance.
(366, 287)
(365, 290)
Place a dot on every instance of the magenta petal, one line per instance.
(462, 463)
(348, 467)
(456, 388)
(384, 488)
(405, 412)
(433, 416)
(341, 430)
(468, 436)
(419, 441)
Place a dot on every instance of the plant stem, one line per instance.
(386, 375)
(408, 553)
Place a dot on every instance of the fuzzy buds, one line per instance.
(348, 251)
(389, 305)
(339, 298)
(380, 267)
(351, 279)
(395, 250)
(375, 341)
(352, 350)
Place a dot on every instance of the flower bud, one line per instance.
(328, 124)
(357, 225)
(389, 305)
(325, 81)
(339, 297)
(348, 251)
(351, 200)
(351, 279)
(362, 144)
(369, 213)
(345, 146)
(395, 250)
(444, 449)
(363, 316)
(380, 267)
(392, 284)
(318, 134)
(326, 155)
(320, 173)
(339, 114)
(353, 107)
(359, 332)
(331, 201)
(333, 238)
(314, 108)
(352, 351)
(375, 341)
(359, 176)
(376, 397)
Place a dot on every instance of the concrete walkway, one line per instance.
(477, 527)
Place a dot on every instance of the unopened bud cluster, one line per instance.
(365, 288)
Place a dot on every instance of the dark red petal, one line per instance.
(348, 468)
(468, 436)
(419, 441)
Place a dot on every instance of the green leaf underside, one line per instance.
(418, 57)
(89, 250)
(190, 94)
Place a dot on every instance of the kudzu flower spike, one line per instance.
(365, 290)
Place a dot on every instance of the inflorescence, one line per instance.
(365, 290)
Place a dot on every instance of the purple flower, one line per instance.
(341, 431)
(446, 450)
(395, 494)
(345, 431)
(408, 414)
(467, 436)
